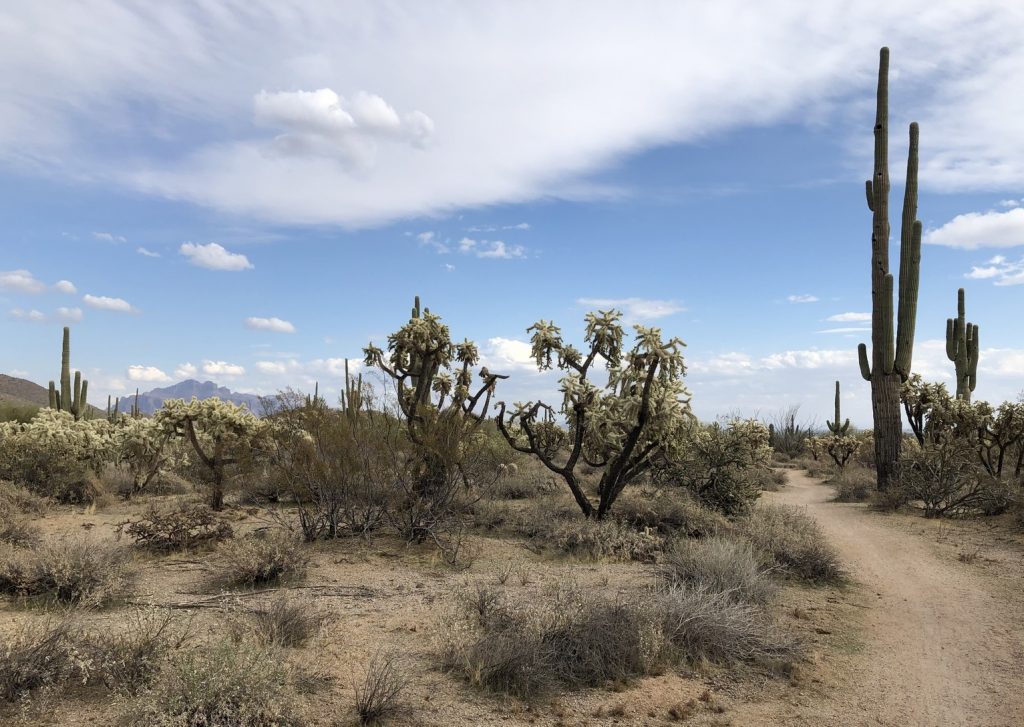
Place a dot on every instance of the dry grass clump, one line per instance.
(606, 539)
(284, 620)
(71, 570)
(16, 499)
(223, 684)
(258, 560)
(39, 656)
(182, 527)
(572, 638)
(854, 484)
(669, 511)
(380, 692)
(793, 539)
(129, 661)
(718, 565)
(15, 504)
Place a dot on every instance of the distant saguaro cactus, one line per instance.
(835, 427)
(962, 349)
(890, 362)
(69, 399)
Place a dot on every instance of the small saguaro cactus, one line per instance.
(72, 399)
(840, 430)
(962, 349)
(352, 393)
(890, 362)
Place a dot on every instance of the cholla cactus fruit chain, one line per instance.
(834, 426)
(891, 357)
(962, 349)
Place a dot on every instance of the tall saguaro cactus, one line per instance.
(890, 359)
(70, 398)
(835, 427)
(962, 349)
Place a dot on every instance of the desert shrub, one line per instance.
(181, 527)
(55, 456)
(15, 499)
(854, 484)
(144, 447)
(334, 465)
(599, 539)
(223, 684)
(788, 436)
(18, 529)
(258, 560)
(944, 477)
(770, 480)
(720, 464)
(379, 693)
(669, 511)
(70, 570)
(128, 660)
(571, 638)
(40, 655)
(718, 565)
(287, 621)
(816, 469)
(794, 540)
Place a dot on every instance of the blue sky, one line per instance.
(248, 193)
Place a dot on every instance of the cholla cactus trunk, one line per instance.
(891, 359)
(834, 426)
(962, 349)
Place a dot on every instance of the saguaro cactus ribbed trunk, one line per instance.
(890, 359)
(962, 349)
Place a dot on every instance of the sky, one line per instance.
(249, 192)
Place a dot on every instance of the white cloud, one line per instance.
(430, 239)
(849, 317)
(269, 324)
(1010, 203)
(69, 315)
(508, 121)
(491, 249)
(981, 229)
(503, 355)
(149, 374)
(214, 257)
(33, 316)
(109, 237)
(635, 309)
(1000, 270)
(102, 302)
(846, 329)
(222, 368)
(495, 228)
(147, 253)
(323, 124)
(185, 371)
(21, 281)
(65, 286)
(271, 367)
(802, 298)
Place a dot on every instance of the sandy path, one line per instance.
(943, 646)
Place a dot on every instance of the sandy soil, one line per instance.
(942, 624)
(930, 631)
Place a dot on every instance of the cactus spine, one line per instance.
(890, 360)
(72, 399)
(839, 430)
(962, 349)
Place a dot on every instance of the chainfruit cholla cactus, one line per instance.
(622, 428)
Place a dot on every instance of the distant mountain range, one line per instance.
(153, 399)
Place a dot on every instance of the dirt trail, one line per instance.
(942, 642)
